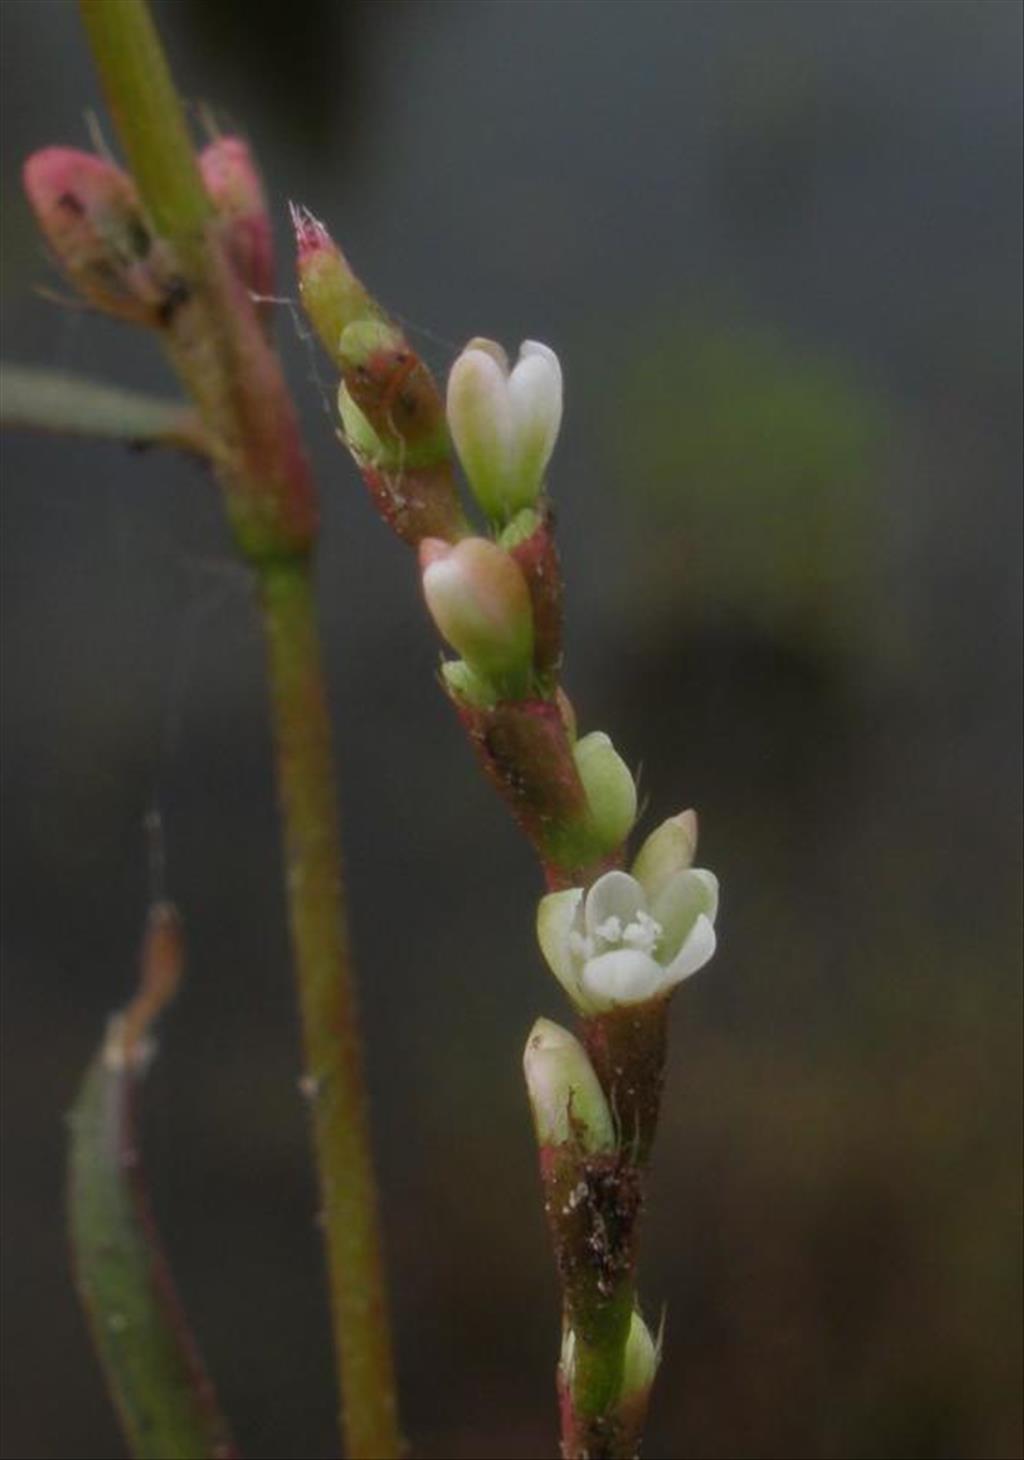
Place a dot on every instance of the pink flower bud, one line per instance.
(479, 600)
(92, 218)
(233, 183)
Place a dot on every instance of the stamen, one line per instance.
(643, 933)
(610, 930)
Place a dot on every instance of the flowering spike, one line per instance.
(505, 423)
(91, 216)
(231, 178)
(568, 1104)
(479, 601)
(610, 788)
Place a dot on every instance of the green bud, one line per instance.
(360, 437)
(609, 786)
(468, 686)
(640, 1363)
(332, 296)
(363, 339)
(668, 850)
(523, 525)
(566, 1098)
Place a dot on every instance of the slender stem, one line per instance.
(217, 345)
(148, 114)
(334, 1077)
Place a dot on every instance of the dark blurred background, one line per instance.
(777, 248)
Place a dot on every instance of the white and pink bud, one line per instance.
(478, 598)
(91, 216)
(505, 422)
(233, 184)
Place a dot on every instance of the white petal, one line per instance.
(615, 895)
(481, 422)
(678, 904)
(490, 347)
(543, 352)
(624, 976)
(556, 916)
(694, 953)
(535, 400)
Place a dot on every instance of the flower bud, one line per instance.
(521, 528)
(505, 423)
(332, 296)
(391, 386)
(92, 218)
(233, 183)
(364, 338)
(669, 849)
(610, 788)
(566, 1098)
(639, 1367)
(360, 437)
(467, 686)
(479, 601)
(641, 1361)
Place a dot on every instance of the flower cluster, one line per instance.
(619, 942)
(629, 938)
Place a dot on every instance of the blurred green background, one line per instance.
(777, 248)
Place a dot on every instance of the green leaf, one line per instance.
(47, 400)
(153, 1368)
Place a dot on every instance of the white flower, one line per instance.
(505, 422)
(615, 946)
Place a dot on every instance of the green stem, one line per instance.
(334, 1078)
(219, 350)
(148, 115)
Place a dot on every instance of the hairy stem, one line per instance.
(334, 1077)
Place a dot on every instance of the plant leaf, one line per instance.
(164, 1398)
(48, 400)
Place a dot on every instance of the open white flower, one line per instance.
(505, 422)
(614, 945)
